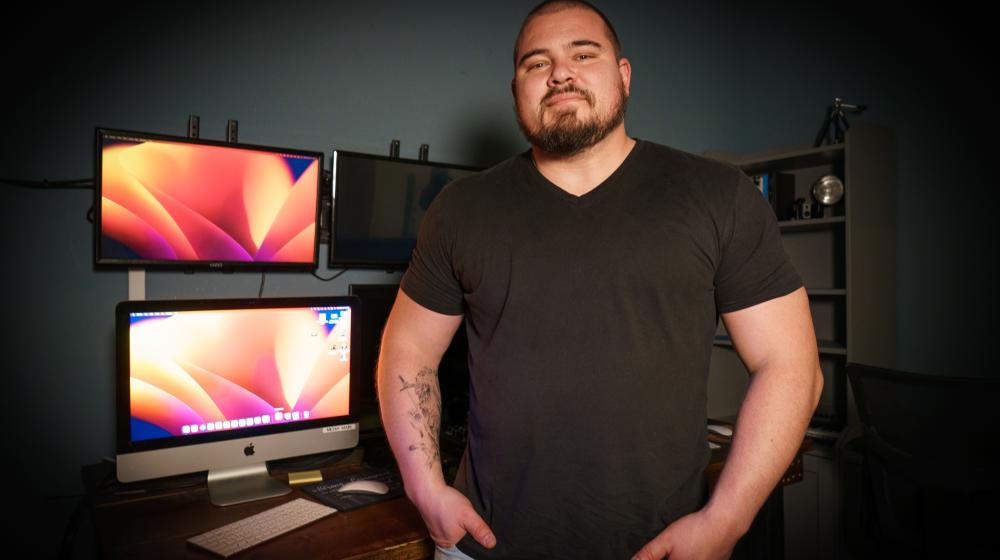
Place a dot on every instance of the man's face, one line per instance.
(570, 91)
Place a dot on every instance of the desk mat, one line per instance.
(327, 493)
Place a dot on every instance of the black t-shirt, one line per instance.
(590, 322)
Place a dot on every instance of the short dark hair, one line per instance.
(551, 6)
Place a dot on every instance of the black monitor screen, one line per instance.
(378, 205)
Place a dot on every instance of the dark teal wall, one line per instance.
(353, 75)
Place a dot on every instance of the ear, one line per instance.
(625, 69)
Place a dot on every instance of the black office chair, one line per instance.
(930, 454)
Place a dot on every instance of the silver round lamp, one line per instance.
(828, 190)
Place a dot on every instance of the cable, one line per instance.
(46, 184)
(260, 293)
(68, 543)
(334, 277)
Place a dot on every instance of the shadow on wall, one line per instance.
(490, 137)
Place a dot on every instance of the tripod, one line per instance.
(835, 115)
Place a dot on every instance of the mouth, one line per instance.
(563, 98)
(556, 97)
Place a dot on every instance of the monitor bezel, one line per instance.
(197, 265)
(123, 412)
(332, 260)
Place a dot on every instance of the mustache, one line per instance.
(570, 88)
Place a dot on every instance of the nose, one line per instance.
(561, 73)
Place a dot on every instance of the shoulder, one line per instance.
(699, 169)
(680, 175)
(483, 187)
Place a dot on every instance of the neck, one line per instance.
(581, 172)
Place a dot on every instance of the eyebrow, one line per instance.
(577, 43)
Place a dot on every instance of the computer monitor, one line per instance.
(378, 203)
(173, 202)
(226, 385)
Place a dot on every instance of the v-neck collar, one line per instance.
(542, 182)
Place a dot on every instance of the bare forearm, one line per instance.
(410, 399)
(769, 430)
(410, 402)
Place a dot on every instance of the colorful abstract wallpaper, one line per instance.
(209, 371)
(173, 201)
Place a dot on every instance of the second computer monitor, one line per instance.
(172, 202)
(378, 205)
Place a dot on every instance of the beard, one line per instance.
(567, 134)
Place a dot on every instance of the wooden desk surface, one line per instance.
(157, 525)
(793, 474)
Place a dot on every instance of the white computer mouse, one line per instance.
(364, 487)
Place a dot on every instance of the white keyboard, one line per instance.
(250, 531)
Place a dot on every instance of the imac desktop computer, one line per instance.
(226, 385)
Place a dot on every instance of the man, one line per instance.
(591, 272)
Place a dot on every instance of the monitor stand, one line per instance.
(237, 485)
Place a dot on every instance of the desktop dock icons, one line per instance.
(244, 422)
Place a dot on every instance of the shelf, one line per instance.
(829, 347)
(784, 159)
(832, 347)
(831, 253)
(820, 292)
(816, 223)
(823, 434)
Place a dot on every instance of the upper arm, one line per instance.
(776, 332)
(753, 267)
(414, 329)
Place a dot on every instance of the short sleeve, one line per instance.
(754, 267)
(430, 279)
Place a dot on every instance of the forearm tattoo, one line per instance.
(425, 414)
